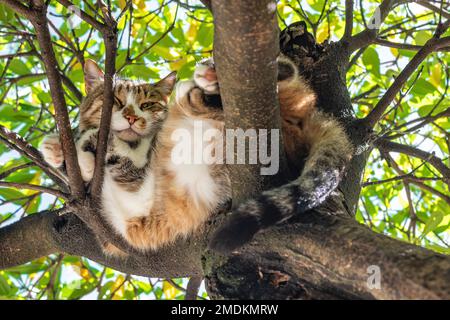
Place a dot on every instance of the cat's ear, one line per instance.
(92, 74)
(167, 84)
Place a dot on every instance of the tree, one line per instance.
(383, 74)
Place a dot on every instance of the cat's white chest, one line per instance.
(190, 163)
(120, 205)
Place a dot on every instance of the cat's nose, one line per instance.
(131, 118)
(210, 74)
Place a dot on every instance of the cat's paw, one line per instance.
(86, 160)
(52, 151)
(205, 77)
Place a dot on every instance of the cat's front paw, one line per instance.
(86, 160)
(52, 151)
(205, 77)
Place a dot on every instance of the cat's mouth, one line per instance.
(128, 134)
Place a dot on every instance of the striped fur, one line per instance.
(138, 112)
(186, 195)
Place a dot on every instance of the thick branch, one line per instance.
(291, 261)
(45, 233)
(248, 104)
(192, 288)
(26, 240)
(329, 257)
(348, 19)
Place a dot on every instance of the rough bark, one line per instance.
(240, 60)
(324, 256)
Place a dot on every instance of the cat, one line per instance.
(182, 196)
(138, 112)
(317, 148)
(187, 194)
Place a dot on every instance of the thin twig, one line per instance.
(15, 185)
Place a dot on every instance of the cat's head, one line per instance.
(139, 108)
(200, 97)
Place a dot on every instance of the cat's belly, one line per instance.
(120, 205)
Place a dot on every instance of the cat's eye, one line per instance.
(154, 106)
(157, 106)
(118, 102)
(146, 106)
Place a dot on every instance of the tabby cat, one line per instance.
(186, 194)
(173, 199)
(138, 112)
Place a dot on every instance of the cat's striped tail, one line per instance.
(330, 151)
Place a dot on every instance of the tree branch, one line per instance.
(426, 4)
(110, 37)
(84, 16)
(54, 192)
(39, 22)
(16, 142)
(27, 239)
(430, 46)
(302, 261)
(207, 3)
(192, 288)
(348, 19)
(246, 102)
(389, 146)
(366, 37)
(19, 8)
(46, 232)
(405, 46)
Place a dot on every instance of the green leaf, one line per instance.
(372, 61)
(423, 87)
(433, 222)
(19, 67)
(4, 287)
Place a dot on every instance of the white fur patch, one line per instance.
(118, 121)
(120, 205)
(138, 155)
(86, 159)
(202, 82)
(195, 177)
(51, 150)
(182, 88)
